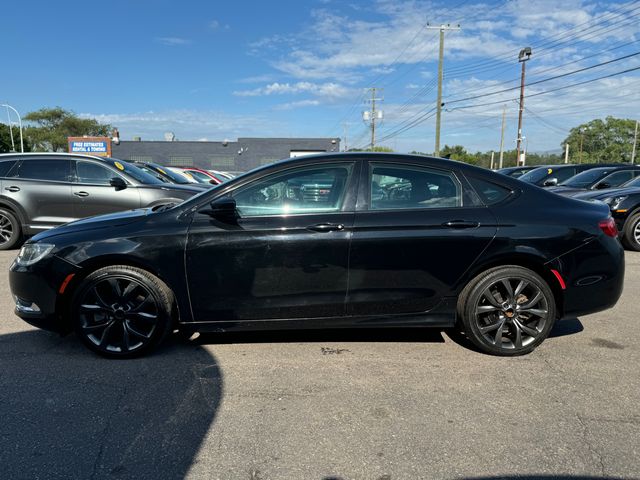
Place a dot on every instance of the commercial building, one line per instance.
(241, 155)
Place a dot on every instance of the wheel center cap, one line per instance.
(119, 314)
(509, 313)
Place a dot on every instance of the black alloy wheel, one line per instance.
(507, 311)
(9, 229)
(631, 233)
(122, 311)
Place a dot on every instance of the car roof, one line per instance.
(27, 155)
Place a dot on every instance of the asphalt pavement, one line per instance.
(354, 404)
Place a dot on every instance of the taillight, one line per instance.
(609, 228)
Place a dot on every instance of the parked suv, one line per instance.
(39, 191)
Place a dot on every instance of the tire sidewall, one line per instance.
(628, 237)
(164, 317)
(477, 287)
(15, 236)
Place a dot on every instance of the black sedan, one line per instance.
(597, 179)
(625, 208)
(517, 172)
(552, 175)
(336, 240)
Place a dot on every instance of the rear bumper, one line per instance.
(36, 292)
(594, 276)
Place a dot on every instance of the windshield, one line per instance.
(632, 183)
(587, 178)
(134, 172)
(175, 177)
(534, 176)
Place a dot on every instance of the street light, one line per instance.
(523, 56)
(19, 122)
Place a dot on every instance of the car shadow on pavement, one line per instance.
(67, 413)
(429, 335)
(509, 477)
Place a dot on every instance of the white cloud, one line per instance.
(326, 90)
(217, 25)
(173, 41)
(298, 104)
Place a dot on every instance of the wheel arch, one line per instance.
(16, 209)
(63, 303)
(530, 261)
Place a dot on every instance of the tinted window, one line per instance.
(618, 178)
(6, 166)
(489, 192)
(201, 177)
(304, 190)
(94, 174)
(53, 170)
(586, 178)
(135, 172)
(563, 174)
(534, 176)
(413, 187)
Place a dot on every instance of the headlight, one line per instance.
(31, 253)
(614, 202)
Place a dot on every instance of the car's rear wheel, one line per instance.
(10, 232)
(631, 233)
(122, 311)
(507, 310)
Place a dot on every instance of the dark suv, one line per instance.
(43, 190)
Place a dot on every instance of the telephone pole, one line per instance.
(372, 115)
(442, 29)
(635, 141)
(523, 56)
(504, 117)
(345, 128)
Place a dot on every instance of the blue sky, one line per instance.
(215, 70)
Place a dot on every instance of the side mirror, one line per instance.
(223, 208)
(118, 183)
(550, 182)
(603, 185)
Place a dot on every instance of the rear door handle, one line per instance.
(326, 227)
(81, 194)
(12, 188)
(460, 224)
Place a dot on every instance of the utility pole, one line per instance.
(566, 152)
(345, 128)
(523, 56)
(372, 115)
(492, 154)
(581, 139)
(635, 141)
(504, 117)
(442, 29)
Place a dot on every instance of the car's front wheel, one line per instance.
(122, 311)
(507, 310)
(9, 229)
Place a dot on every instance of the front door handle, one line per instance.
(326, 227)
(13, 188)
(460, 224)
(81, 194)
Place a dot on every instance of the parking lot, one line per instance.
(399, 404)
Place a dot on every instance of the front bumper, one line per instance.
(36, 291)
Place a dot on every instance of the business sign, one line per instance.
(100, 146)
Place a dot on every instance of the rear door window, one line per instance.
(490, 193)
(53, 170)
(412, 187)
(5, 167)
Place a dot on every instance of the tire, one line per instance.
(122, 311)
(507, 311)
(10, 231)
(631, 233)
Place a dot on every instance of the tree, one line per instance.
(609, 140)
(374, 149)
(5, 139)
(50, 128)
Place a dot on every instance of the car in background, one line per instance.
(39, 191)
(438, 243)
(167, 175)
(552, 175)
(201, 175)
(222, 176)
(517, 172)
(624, 203)
(597, 179)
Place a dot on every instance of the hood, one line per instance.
(91, 223)
(606, 193)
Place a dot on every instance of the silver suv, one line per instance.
(39, 191)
